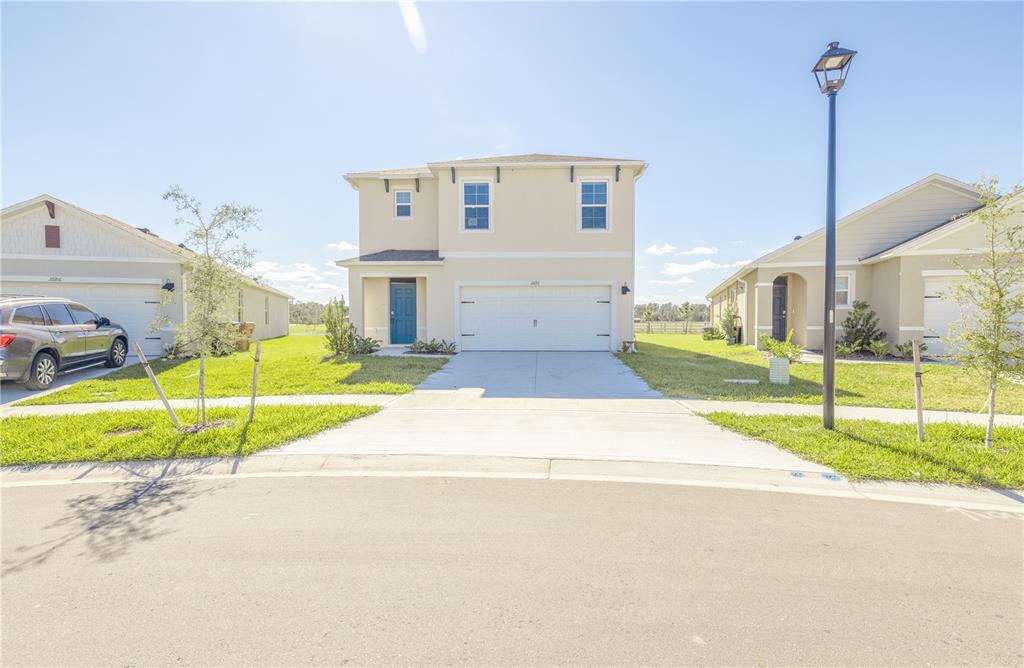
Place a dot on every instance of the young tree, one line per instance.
(648, 314)
(989, 336)
(686, 311)
(337, 330)
(213, 277)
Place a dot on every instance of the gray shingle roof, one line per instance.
(392, 255)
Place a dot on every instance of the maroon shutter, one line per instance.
(53, 236)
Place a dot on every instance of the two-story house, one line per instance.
(524, 252)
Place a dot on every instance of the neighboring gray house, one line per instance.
(52, 248)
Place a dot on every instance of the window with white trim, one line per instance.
(844, 289)
(593, 205)
(403, 204)
(241, 305)
(266, 310)
(476, 205)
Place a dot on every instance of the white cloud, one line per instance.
(663, 249)
(263, 266)
(677, 269)
(302, 280)
(678, 281)
(700, 250)
(342, 246)
(647, 299)
(413, 25)
(641, 266)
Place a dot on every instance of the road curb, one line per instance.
(535, 468)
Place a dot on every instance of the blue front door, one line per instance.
(403, 312)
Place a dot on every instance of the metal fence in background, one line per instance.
(669, 327)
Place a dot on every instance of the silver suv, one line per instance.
(41, 337)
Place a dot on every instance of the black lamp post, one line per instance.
(830, 72)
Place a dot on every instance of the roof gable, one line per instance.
(891, 220)
(83, 232)
(133, 242)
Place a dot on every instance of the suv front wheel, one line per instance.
(117, 355)
(42, 372)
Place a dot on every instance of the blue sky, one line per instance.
(106, 105)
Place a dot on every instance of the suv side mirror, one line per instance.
(103, 321)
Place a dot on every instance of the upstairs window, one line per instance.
(594, 205)
(476, 205)
(403, 204)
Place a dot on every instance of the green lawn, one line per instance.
(687, 366)
(127, 435)
(870, 450)
(289, 365)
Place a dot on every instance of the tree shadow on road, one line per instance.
(113, 520)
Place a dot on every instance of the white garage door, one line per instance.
(130, 305)
(939, 314)
(535, 317)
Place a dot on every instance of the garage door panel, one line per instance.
(535, 318)
(132, 306)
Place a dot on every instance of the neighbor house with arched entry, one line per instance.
(896, 254)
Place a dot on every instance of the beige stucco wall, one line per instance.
(535, 210)
(436, 297)
(267, 310)
(378, 228)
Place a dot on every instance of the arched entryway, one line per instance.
(788, 308)
(780, 307)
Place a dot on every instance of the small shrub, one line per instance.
(848, 349)
(712, 334)
(362, 345)
(433, 347)
(786, 349)
(729, 321)
(860, 327)
(879, 348)
(906, 349)
(338, 333)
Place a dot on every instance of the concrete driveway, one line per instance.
(541, 374)
(12, 392)
(547, 405)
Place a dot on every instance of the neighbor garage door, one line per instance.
(939, 313)
(130, 305)
(535, 317)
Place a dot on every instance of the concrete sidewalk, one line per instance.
(847, 412)
(221, 402)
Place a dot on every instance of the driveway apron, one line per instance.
(546, 405)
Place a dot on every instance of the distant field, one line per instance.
(305, 329)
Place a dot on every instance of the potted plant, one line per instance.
(782, 354)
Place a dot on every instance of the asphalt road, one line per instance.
(299, 570)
